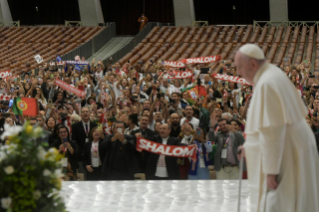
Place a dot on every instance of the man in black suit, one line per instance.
(80, 134)
(162, 167)
(143, 156)
(120, 162)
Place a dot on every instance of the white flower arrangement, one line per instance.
(6, 202)
(11, 131)
(9, 170)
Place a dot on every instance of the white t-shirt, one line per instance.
(161, 170)
(98, 76)
(194, 122)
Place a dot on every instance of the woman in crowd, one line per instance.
(199, 168)
(94, 155)
(187, 138)
(69, 149)
(50, 123)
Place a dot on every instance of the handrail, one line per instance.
(15, 23)
(69, 23)
(134, 42)
(286, 23)
(199, 23)
(92, 46)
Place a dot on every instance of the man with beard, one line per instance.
(176, 128)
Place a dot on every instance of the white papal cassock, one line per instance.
(279, 141)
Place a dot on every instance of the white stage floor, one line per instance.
(162, 196)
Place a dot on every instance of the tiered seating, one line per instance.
(280, 44)
(19, 45)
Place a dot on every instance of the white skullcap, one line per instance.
(253, 51)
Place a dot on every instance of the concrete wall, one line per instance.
(5, 13)
(90, 12)
(184, 12)
(278, 10)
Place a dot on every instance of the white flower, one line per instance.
(52, 150)
(10, 131)
(38, 130)
(46, 172)
(41, 153)
(6, 202)
(3, 155)
(58, 173)
(37, 194)
(9, 170)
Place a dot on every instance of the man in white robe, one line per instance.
(280, 148)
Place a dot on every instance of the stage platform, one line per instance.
(162, 196)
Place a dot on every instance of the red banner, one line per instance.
(174, 64)
(178, 74)
(70, 88)
(209, 59)
(5, 97)
(229, 78)
(5, 74)
(162, 149)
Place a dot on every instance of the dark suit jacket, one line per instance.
(171, 162)
(73, 159)
(317, 140)
(87, 153)
(109, 148)
(79, 135)
(236, 140)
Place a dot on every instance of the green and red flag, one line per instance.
(25, 106)
(195, 92)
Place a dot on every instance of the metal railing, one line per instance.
(89, 48)
(287, 23)
(70, 23)
(14, 23)
(135, 41)
(199, 23)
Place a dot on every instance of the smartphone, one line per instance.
(305, 61)
(10, 103)
(311, 76)
(76, 79)
(65, 140)
(204, 70)
(119, 130)
(218, 100)
(198, 131)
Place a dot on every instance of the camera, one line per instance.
(134, 97)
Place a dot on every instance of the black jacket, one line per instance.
(171, 162)
(127, 163)
(87, 153)
(79, 135)
(73, 159)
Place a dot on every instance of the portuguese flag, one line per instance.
(25, 106)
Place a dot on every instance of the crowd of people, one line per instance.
(97, 133)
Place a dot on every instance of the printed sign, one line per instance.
(38, 58)
(162, 149)
(70, 88)
(209, 59)
(229, 78)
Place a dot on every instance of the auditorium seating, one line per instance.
(19, 45)
(282, 45)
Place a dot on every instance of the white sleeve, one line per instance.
(272, 141)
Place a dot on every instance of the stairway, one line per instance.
(110, 48)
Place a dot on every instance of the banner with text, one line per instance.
(70, 88)
(178, 74)
(7, 73)
(162, 149)
(229, 78)
(174, 64)
(5, 97)
(209, 59)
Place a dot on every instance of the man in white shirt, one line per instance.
(162, 167)
(189, 111)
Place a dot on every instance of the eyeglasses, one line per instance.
(62, 132)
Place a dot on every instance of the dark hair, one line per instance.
(63, 127)
(222, 119)
(237, 122)
(133, 118)
(91, 133)
(178, 94)
(46, 122)
(145, 116)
